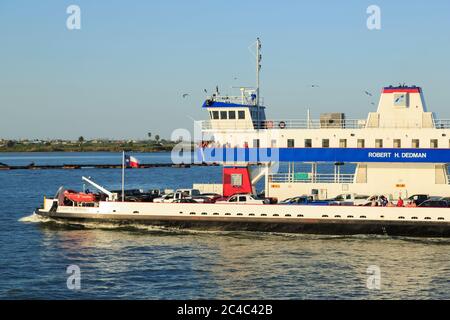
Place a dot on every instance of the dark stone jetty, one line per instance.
(103, 166)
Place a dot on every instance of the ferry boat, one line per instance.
(399, 151)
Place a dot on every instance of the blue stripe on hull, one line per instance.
(325, 155)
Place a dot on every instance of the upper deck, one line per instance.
(399, 108)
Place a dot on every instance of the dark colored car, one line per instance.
(418, 198)
(211, 197)
(305, 200)
(434, 204)
(269, 200)
(136, 195)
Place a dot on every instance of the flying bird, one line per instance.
(185, 95)
(206, 91)
(368, 93)
(314, 86)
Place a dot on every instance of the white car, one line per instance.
(243, 199)
(349, 199)
(179, 195)
(376, 198)
(168, 198)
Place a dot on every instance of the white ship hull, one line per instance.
(339, 220)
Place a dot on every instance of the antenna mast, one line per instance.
(258, 67)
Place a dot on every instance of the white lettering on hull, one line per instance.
(403, 155)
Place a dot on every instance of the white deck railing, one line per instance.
(303, 124)
(310, 124)
(442, 123)
(310, 178)
(244, 100)
(284, 124)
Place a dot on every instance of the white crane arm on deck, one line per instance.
(100, 188)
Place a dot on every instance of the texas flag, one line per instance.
(131, 161)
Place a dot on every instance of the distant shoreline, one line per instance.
(88, 147)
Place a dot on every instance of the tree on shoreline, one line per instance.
(81, 140)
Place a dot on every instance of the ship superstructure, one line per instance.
(400, 150)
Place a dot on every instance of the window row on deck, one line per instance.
(360, 143)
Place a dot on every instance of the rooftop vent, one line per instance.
(332, 120)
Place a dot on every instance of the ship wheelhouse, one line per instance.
(234, 112)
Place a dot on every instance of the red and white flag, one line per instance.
(131, 161)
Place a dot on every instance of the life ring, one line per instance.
(282, 124)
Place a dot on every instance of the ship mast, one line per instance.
(258, 67)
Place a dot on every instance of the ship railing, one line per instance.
(243, 100)
(310, 124)
(283, 124)
(300, 177)
(231, 99)
(442, 123)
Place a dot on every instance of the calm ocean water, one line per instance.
(140, 262)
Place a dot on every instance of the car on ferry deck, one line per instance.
(348, 199)
(213, 197)
(434, 204)
(377, 198)
(418, 198)
(243, 199)
(304, 200)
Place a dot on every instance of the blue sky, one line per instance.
(124, 72)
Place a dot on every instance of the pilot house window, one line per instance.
(241, 114)
(215, 115)
(232, 115)
(223, 115)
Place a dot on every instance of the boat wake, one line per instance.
(34, 218)
(104, 225)
(164, 230)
